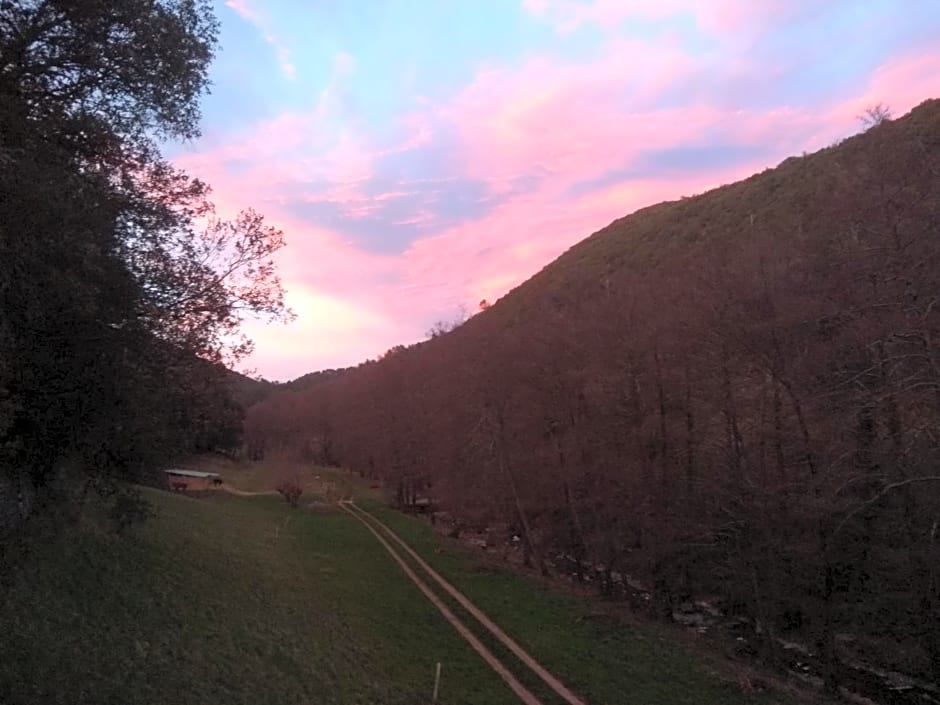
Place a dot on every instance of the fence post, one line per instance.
(437, 681)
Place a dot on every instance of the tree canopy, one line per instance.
(121, 290)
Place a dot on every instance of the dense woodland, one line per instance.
(121, 291)
(735, 395)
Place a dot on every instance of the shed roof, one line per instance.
(190, 473)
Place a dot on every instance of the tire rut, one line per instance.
(550, 680)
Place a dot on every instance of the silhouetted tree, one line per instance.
(119, 288)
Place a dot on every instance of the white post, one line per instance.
(437, 682)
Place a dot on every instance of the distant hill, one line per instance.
(734, 395)
(247, 391)
(312, 379)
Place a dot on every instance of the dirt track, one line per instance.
(371, 522)
(243, 493)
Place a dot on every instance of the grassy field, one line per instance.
(233, 600)
(243, 600)
(319, 484)
(603, 659)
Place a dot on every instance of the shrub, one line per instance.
(290, 490)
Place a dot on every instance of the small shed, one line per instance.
(191, 480)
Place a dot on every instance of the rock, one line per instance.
(708, 608)
(794, 646)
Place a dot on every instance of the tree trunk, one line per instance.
(505, 469)
(691, 475)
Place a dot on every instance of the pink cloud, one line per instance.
(902, 84)
(568, 119)
(570, 123)
(419, 133)
(392, 195)
(566, 124)
(422, 217)
(243, 8)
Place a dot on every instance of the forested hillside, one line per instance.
(735, 395)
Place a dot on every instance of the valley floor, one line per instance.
(234, 599)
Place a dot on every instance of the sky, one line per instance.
(424, 155)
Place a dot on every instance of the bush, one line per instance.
(290, 490)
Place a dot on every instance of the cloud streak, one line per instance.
(395, 220)
(250, 11)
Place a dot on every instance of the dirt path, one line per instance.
(243, 493)
(477, 613)
(520, 690)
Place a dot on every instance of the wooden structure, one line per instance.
(191, 480)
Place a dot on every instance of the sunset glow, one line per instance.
(421, 156)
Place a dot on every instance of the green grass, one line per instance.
(242, 600)
(227, 601)
(602, 659)
(322, 483)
